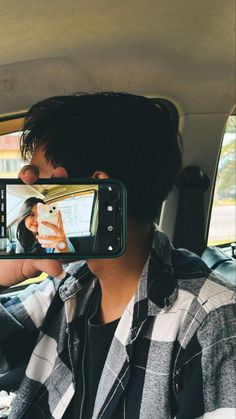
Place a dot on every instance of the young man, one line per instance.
(147, 335)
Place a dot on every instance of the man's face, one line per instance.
(45, 168)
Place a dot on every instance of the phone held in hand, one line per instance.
(47, 213)
(59, 218)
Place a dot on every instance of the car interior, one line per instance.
(180, 51)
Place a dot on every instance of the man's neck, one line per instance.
(119, 277)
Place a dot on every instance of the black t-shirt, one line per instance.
(97, 343)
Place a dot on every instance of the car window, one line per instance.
(223, 218)
(10, 159)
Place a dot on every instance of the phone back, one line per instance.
(46, 212)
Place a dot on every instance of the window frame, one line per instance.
(225, 246)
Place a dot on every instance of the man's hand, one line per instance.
(15, 271)
(29, 173)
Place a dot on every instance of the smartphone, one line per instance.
(47, 213)
(87, 216)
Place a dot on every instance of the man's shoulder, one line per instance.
(187, 264)
(189, 270)
(198, 280)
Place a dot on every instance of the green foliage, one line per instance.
(231, 125)
(225, 183)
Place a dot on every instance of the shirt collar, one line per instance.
(157, 286)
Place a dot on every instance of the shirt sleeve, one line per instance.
(19, 248)
(71, 247)
(20, 319)
(206, 379)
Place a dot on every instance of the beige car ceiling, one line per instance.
(50, 192)
(179, 49)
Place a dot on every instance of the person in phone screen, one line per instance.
(28, 239)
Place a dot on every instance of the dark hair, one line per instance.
(130, 137)
(25, 236)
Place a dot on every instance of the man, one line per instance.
(146, 335)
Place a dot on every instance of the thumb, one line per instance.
(49, 266)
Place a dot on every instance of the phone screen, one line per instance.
(81, 218)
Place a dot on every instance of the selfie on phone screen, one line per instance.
(47, 219)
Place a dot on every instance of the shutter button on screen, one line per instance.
(61, 245)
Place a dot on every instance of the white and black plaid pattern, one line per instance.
(172, 356)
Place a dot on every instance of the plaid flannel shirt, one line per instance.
(172, 355)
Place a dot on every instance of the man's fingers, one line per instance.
(17, 270)
(49, 266)
(59, 172)
(29, 174)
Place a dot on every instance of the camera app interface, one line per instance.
(48, 218)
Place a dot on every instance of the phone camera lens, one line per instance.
(50, 211)
(110, 208)
(110, 228)
(53, 208)
(110, 248)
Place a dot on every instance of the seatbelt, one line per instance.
(190, 227)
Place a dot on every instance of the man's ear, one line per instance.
(100, 174)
